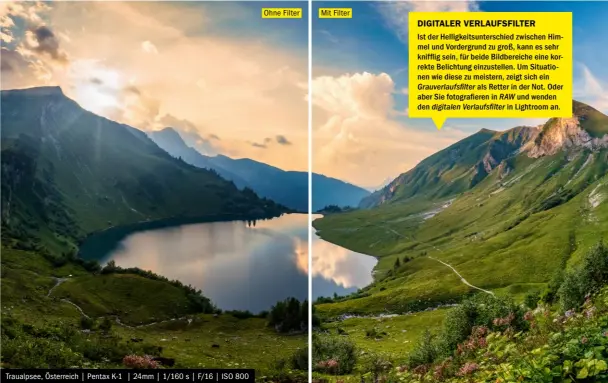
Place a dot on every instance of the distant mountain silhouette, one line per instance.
(289, 188)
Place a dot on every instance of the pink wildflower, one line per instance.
(468, 369)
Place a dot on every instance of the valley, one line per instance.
(129, 255)
(497, 217)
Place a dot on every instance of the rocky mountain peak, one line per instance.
(587, 128)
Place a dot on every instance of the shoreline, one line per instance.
(106, 240)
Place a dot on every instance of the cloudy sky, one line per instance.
(236, 84)
(230, 81)
(361, 132)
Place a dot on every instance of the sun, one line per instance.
(98, 89)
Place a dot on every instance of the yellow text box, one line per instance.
(281, 13)
(335, 13)
(490, 65)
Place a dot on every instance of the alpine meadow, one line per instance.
(492, 263)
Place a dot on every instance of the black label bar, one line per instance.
(111, 375)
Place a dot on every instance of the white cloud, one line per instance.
(148, 47)
(395, 13)
(355, 135)
(29, 13)
(241, 88)
(589, 89)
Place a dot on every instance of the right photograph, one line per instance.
(469, 243)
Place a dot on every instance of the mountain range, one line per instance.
(289, 188)
(463, 165)
(509, 210)
(67, 172)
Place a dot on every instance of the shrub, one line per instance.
(105, 325)
(586, 279)
(425, 352)
(239, 314)
(62, 345)
(333, 354)
(87, 323)
(549, 295)
(374, 333)
(480, 311)
(289, 315)
(299, 359)
(531, 299)
(375, 364)
(136, 361)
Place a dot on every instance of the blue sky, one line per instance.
(361, 130)
(368, 42)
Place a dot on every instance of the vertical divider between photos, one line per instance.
(310, 190)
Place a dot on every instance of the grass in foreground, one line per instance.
(40, 331)
(393, 336)
(563, 337)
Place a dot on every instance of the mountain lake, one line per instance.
(239, 265)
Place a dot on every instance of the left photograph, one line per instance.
(155, 186)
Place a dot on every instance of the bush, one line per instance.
(62, 345)
(92, 266)
(299, 359)
(531, 299)
(333, 354)
(586, 279)
(87, 323)
(375, 365)
(289, 315)
(457, 326)
(374, 333)
(425, 352)
(105, 325)
(241, 314)
(480, 311)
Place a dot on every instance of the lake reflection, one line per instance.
(237, 265)
(246, 266)
(338, 270)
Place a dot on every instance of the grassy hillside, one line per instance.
(483, 339)
(67, 172)
(513, 231)
(455, 169)
(492, 237)
(48, 330)
(593, 121)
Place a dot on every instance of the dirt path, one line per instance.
(58, 281)
(78, 307)
(116, 319)
(461, 277)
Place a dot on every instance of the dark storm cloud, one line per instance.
(132, 89)
(48, 44)
(258, 145)
(282, 140)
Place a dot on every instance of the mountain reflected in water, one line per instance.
(246, 265)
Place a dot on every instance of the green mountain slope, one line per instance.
(454, 169)
(463, 165)
(531, 216)
(67, 172)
